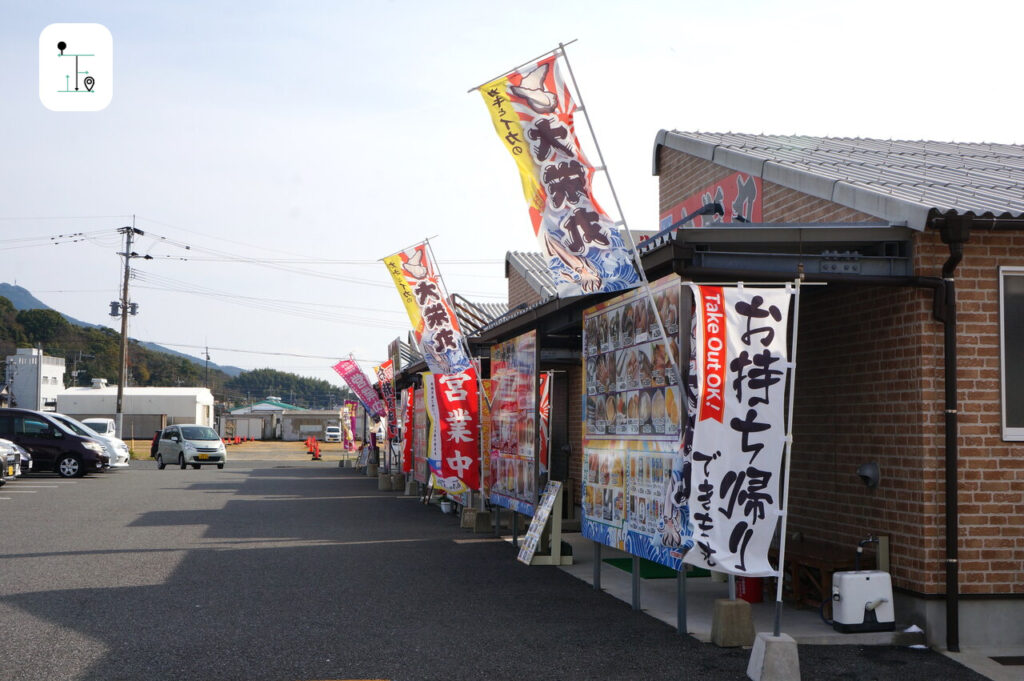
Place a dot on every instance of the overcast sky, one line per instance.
(244, 134)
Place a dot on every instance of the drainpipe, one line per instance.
(955, 231)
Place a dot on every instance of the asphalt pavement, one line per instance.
(297, 570)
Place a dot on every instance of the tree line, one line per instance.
(94, 352)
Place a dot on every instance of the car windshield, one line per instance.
(76, 427)
(199, 433)
(101, 427)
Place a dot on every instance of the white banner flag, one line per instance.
(739, 434)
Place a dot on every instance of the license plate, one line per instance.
(10, 471)
(204, 457)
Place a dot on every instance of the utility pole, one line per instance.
(124, 308)
(207, 366)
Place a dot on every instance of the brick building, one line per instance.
(911, 345)
(911, 355)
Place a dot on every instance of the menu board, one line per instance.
(513, 465)
(540, 519)
(419, 438)
(633, 424)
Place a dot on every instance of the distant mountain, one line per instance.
(22, 299)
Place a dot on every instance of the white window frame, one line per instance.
(1010, 434)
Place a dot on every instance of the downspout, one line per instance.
(955, 231)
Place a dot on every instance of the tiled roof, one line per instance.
(893, 180)
(534, 268)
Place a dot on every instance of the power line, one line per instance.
(261, 352)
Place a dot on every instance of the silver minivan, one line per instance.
(190, 444)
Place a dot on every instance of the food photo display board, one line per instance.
(513, 432)
(633, 424)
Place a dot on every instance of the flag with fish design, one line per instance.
(426, 301)
(532, 112)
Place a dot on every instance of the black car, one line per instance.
(52, 445)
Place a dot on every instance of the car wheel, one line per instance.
(181, 461)
(160, 462)
(68, 466)
(220, 466)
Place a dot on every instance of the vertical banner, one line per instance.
(514, 423)
(485, 437)
(532, 112)
(544, 414)
(634, 469)
(453, 407)
(742, 365)
(426, 301)
(360, 385)
(349, 423)
(420, 469)
(386, 379)
(408, 397)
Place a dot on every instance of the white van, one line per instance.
(332, 434)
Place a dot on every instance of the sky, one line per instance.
(274, 152)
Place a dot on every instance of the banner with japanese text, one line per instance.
(740, 195)
(513, 465)
(485, 436)
(634, 468)
(408, 397)
(532, 112)
(742, 364)
(361, 386)
(544, 414)
(349, 413)
(420, 469)
(434, 322)
(386, 380)
(453, 408)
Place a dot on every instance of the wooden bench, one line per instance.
(811, 565)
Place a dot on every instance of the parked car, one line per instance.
(53, 445)
(332, 434)
(8, 455)
(106, 431)
(79, 428)
(190, 444)
(25, 464)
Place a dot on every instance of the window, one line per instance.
(1011, 350)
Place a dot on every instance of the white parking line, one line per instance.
(38, 486)
(19, 491)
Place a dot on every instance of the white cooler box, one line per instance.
(862, 601)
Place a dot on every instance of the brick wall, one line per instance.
(870, 388)
(519, 290)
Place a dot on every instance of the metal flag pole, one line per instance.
(516, 68)
(464, 342)
(787, 452)
(618, 207)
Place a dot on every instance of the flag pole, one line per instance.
(787, 453)
(469, 355)
(618, 207)
(516, 68)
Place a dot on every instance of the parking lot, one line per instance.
(287, 569)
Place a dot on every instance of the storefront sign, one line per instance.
(740, 196)
(532, 112)
(514, 424)
(633, 463)
(540, 519)
(739, 433)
